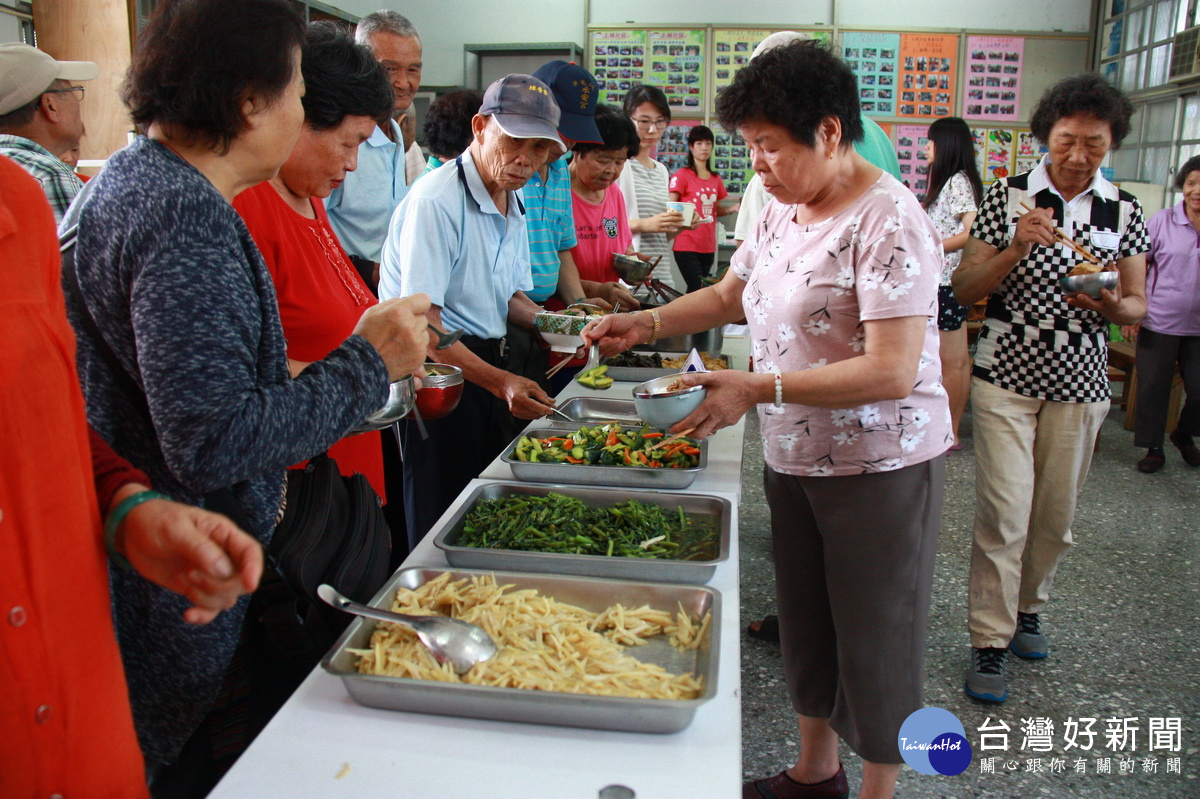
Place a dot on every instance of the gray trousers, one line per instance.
(1157, 356)
(854, 561)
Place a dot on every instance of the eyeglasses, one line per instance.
(68, 90)
(645, 123)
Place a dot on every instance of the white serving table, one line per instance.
(323, 744)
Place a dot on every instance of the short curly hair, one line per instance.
(794, 86)
(447, 129)
(1189, 166)
(341, 79)
(1089, 94)
(197, 60)
(617, 131)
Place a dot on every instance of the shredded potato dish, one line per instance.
(543, 644)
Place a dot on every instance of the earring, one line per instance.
(830, 156)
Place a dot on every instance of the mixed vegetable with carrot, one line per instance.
(610, 445)
(558, 523)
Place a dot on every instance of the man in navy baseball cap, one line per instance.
(576, 93)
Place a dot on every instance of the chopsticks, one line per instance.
(670, 440)
(1079, 249)
(556, 368)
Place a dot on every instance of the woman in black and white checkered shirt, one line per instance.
(1040, 382)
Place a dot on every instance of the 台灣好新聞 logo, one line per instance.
(933, 741)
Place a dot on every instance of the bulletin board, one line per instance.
(732, 48)
(673, 59)
(906, 80)
(618, 62)
(673, 147)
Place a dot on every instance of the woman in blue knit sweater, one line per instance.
(201, 398)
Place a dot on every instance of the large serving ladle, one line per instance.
(453, 641)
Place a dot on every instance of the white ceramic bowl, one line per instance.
(659, 407)
(1091, 284)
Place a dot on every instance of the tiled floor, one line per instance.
(1124, 625)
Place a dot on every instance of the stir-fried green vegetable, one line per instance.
(610, 445)
(558, 523)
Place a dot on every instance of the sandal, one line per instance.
(781, 786)
(765, 629)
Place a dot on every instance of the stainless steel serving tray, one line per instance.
(591, 411)
(546, 707)
(640, 374)
(589, 475)
(656, 569)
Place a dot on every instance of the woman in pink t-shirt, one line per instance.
(695, 247)
(601, 222)
(838, 281)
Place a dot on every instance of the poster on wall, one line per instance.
(618, 62)
(993, 77)
(910, 151)
(676, 65)
(732, 48)
(731, 160)
(927, 75)
(994, 152)
(1029, 151)
(874, 58)
(673, 147)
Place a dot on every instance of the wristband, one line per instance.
(778, 388)
(117, 516)
(657, 325)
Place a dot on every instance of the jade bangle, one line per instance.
(117, 516)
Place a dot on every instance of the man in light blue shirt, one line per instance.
(460, 237)
(360, 208)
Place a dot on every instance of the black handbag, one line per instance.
(333, 531)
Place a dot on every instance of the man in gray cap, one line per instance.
(460, 236)
(40, 117)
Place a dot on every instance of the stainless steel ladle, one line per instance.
(453, 641)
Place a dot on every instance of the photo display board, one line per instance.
(731, 158)
(673, 147)
(910, 152)
(676, 59)
(993, 78)
(672, 60)
(874, 58)
(928, 75)
(618, 62)
(732, 48)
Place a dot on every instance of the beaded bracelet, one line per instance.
(117, 516)
(778, 387)
(657, 325)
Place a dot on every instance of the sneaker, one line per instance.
(1153, 461)
(985, 677)
(1029, 641)
(1187, 448)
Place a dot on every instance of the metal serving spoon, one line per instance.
(453, 641)
(446, 339)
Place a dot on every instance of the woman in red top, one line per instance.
(695, 183)
(321, 295)
(601, 222)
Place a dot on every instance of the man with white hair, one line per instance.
(460, 236)
(360, 208)
(40, 117)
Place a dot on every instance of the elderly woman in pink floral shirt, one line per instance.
(839, 283)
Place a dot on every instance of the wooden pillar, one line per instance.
(99, 31)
